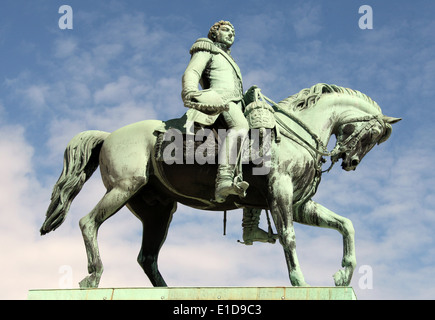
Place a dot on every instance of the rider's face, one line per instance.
(225, 35)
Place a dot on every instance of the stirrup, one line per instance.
(240, 185)
(241, 188)
(238, 189)
(266, 237)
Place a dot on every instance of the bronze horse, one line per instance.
(151, 189)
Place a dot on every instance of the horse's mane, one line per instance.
(309, 96)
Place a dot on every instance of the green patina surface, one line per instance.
(198, 293)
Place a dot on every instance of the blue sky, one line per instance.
(123, 61)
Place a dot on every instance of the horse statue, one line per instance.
(151, 189)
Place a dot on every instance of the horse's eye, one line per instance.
(347, 130)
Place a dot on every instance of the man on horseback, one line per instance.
(213, 67)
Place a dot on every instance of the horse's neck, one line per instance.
(330, 111)
(319, 120)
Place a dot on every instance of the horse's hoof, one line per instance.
(88, 282)
(341, 279)
(302, 284)
(297, 280)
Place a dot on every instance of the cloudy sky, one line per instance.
(123, 61)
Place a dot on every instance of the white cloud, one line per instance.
(65, 47)
(306, 20)
(20, 200)
(37, 95)
(124, 89)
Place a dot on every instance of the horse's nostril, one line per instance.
(354, 162)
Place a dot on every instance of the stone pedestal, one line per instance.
(197, 293)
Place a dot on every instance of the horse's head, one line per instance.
(357, 137)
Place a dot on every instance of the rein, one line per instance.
(323, 152)
(340, 146)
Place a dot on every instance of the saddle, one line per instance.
(180, 141)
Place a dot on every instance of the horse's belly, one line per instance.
(194, 185)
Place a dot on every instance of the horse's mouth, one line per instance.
(349, 164)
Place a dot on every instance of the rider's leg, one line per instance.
(251, 231)
(230, 147)
(228, 160)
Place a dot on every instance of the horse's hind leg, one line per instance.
(315, 214)
(112, 201)
(156, 215)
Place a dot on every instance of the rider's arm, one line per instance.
(193, 73)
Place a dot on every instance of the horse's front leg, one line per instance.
(314, 214)
(280, 201)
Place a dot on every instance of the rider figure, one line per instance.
(212, 67)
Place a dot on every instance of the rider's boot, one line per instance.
(251, 231)
(227, 185)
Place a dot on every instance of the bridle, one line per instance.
(351, 141)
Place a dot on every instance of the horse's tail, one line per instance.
(79, 163)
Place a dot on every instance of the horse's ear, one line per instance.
(390, 120)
